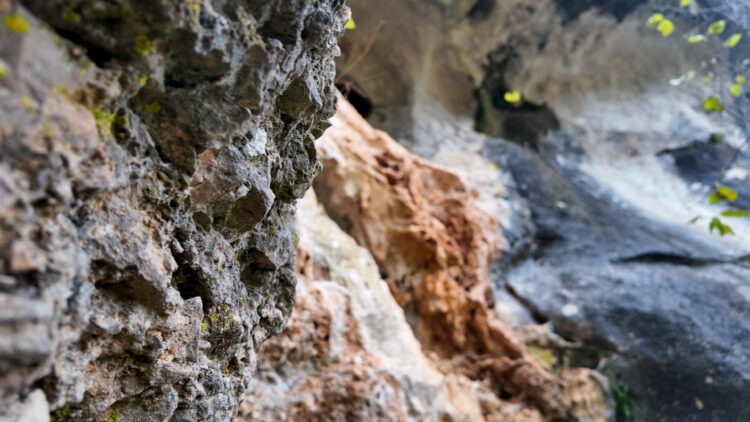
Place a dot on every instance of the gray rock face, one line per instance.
(608, 164)
(150, 155)
(666, 308)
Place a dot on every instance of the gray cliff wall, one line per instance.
(150, 156)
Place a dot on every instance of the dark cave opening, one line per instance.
(356, 97)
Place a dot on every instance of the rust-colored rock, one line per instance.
(348, 353)
(434, 245)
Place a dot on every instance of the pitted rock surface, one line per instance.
(150, 155)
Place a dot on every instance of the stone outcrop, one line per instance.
(150, 155)
(433, 244)
(603, 164)
(348, 352)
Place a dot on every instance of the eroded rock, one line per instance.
(151, 153)
(434, 244)
(348, 352)
(607, 165)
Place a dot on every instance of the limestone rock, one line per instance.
(151, 154)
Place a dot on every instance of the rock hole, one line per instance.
(356, 97)
(482, 9)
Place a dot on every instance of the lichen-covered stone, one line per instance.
(151, 152)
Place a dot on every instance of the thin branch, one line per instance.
(362, 55)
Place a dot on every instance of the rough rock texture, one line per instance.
(348, 352)
(150, 154)
(613, 161)
(433, 245)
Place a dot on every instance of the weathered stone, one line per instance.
(613, 162)
(348, 352)
(434, 244)
(150, 158)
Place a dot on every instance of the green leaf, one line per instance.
(722, 228)
(666, 27)
(712, 104)
(709, 77)
(717, 27)
(512, 96)
(694, 219)
(655, 19)
(740, 79)
(736, 90)
(733, 40)
(735, 213)
(3, 69)
(715, 198)
(350, 24)
(727, 192)
(685, 3)
(694, 39)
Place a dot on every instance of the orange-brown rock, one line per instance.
(348, 353)
(434, 245)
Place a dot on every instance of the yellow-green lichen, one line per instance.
(3, 69)
(195, 10)
(61, 89)
(16, 23)
(48, 130)
(113, 418)
(203, 326)
(104, 121)
(142, 80)
(70, 15)
(62, 412)
(143, 45)
(84, 66)
(120, 126)
(543, 356)
(29, 104)
(153, 107)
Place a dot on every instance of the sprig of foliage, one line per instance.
(721, 194)
(624, 405)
